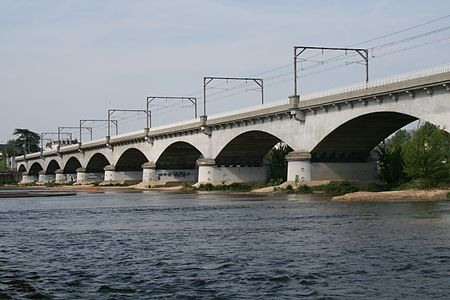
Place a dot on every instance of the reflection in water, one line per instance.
(151, 245)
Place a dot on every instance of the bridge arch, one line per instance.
(248, 149)
(22, 168)
(35, 168)
(72, 165)
(97, 163)
(178, 155)
(354, 139)
(52, 167)
(131, 160)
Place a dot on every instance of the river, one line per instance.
(205, 246)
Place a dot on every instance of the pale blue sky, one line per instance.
(62, 61)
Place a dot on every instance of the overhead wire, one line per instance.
(317, 63)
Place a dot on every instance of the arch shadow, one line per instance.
(72, 165)
(97, 163)
(35, 168)
(131, 160)
(177, 156)
(247, 149)
(354, 140)
(52, 167)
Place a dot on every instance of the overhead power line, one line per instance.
(317, 63)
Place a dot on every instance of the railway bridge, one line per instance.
(332, 133)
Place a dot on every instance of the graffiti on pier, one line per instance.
(175, 174)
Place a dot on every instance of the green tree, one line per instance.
(27, 141)
(390, 162)
(426, 155)
(10, 149)
(278, 164)
(398, 139)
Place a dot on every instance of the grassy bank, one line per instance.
(345, 187)
(334, 188)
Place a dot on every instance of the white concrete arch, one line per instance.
(199, 141)
(320, 125)
(133, 156)
(285, 130)
(84, 157)
(249, 145)
(73, 160)
(97, 159)
(162, 151)
(117, 153)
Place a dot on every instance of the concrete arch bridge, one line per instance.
(332, 134)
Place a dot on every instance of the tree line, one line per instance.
(420, 155)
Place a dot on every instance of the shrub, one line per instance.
(426, 155)
(236, 186)
(304, 189)
(338, 188)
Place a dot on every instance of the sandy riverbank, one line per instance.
(405, 195)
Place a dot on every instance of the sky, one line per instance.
(66, 60)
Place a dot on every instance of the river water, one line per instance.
(191, 246)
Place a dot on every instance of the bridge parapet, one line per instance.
(383, 83)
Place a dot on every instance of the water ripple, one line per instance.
(140, 246)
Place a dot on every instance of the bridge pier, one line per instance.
(28, 178)
(110, 174)
(301, 169)
(149, 172)
(45, 178)
(299, 166)
(208, 172)
(60, 177)
(176, 175)
(116, 176)
(83, 177)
